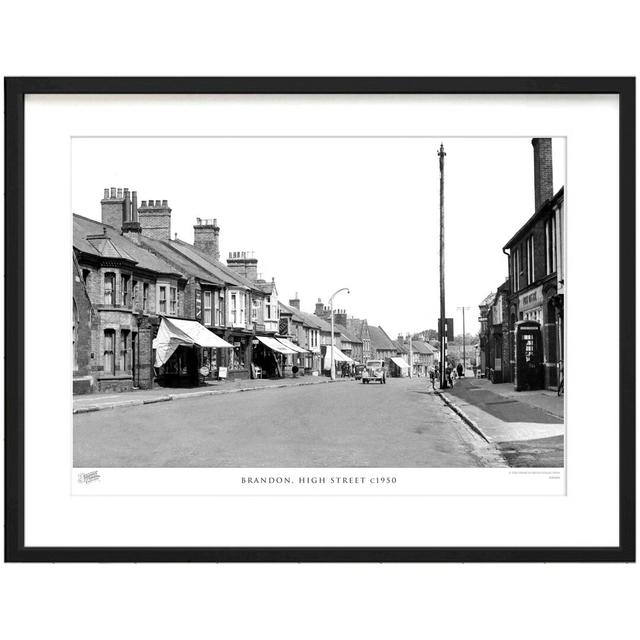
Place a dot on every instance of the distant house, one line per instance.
(382, 347)
(360, 329)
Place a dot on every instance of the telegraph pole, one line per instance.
(442, 328)
(464, 343)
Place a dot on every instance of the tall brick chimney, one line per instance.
(542, 170)
(155, 219)
(319, 308)
(206, 237)
(113, 207)
(244, 263)
(340, 317)
(295, 302)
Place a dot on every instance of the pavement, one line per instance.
(400, 424)
(526, 426)
(96, 401)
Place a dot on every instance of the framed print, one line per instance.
(320, 319)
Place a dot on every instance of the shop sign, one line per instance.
(530, 299)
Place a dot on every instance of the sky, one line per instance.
(328, 212)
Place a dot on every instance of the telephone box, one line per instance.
(529, 370)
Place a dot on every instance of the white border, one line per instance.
(587, 516)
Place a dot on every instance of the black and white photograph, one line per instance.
(312, 326)
(318, 302)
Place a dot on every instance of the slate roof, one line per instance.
(347, 335)
(175, 257)
(380, 340)
(310, 319)
(422, 347)
(400, 348)
(488, 300)
(215, 267)
(115, 245)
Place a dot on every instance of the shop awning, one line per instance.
(403, 364)
(338, 356)
(274, 345)
(291, 345)
(174, 333)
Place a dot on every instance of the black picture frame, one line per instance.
(15, 91)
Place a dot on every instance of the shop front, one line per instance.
(236, 362)
(339, 359)
(272, 358)
(399, 368)
(184, 351)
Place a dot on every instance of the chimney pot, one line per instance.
(113, 192)
(165, 203)
(106, 194)
(119, 193)
(144, 204)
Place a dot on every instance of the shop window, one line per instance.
(173, 296)
(109, 360)
(109, 288)
(163, 300)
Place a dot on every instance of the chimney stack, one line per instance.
(113, 208)
(542, 170)
(295, 302)
(206, 237)
(340, 317)
(244, 263)
(319, 308)
(155, 219)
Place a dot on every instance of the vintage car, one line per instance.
(374, 371)
(359, 368)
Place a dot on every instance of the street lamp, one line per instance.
(333, 369)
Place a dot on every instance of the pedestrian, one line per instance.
(459, 370)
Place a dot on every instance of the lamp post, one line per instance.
(410, 355)
(333, 369)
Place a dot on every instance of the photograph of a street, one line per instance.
(399, 317)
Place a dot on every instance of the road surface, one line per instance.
(400, 424)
